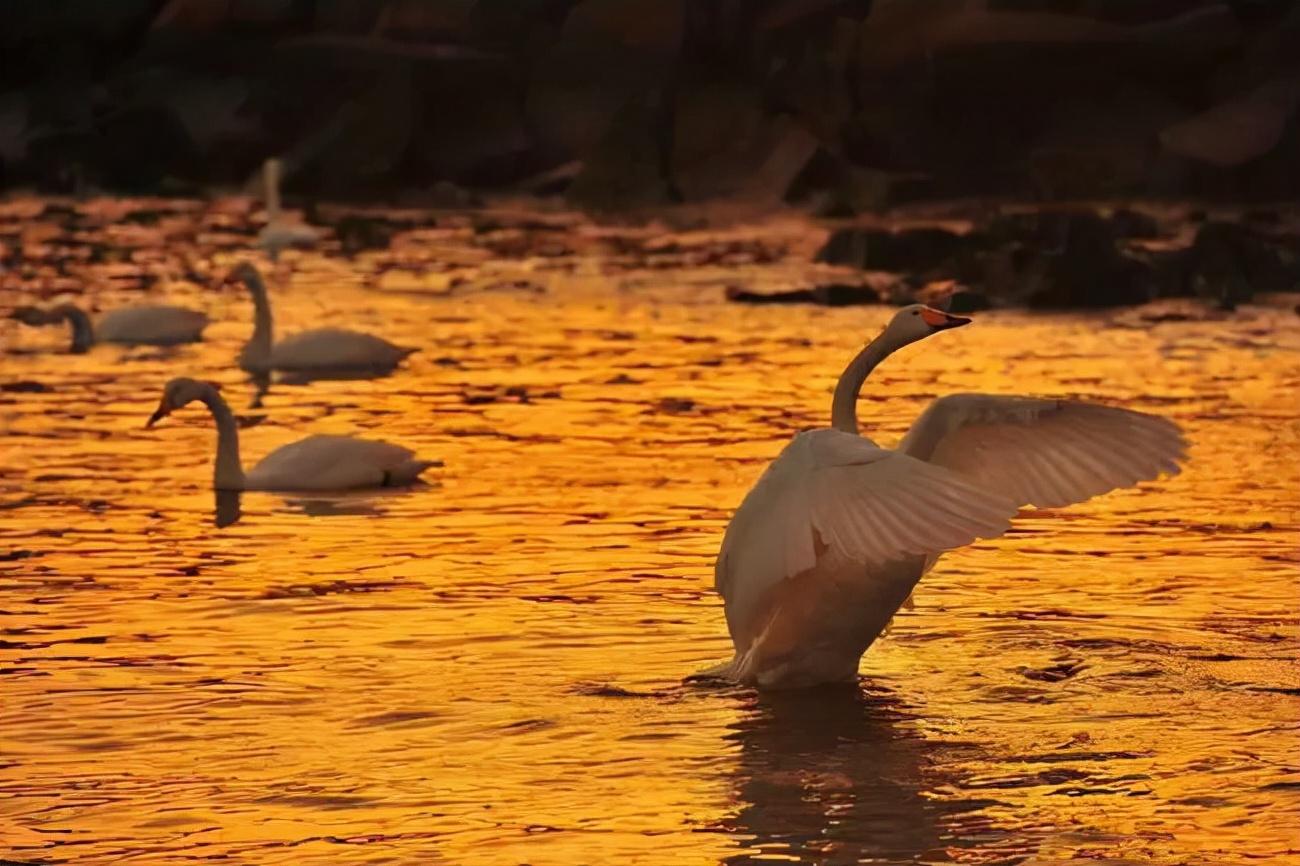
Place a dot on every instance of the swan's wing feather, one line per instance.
(328, 463)
(150, 324)
(337, 348)
(1047, 453)
(834, 491)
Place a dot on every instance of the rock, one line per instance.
(906, 250)
(826, 295)
(608, 53)
(903, 31)
(1128, 223)
(831, 186)
(1238, 130)
(1229, 263)
(628, 169)
(1064, 259)
(726, 145)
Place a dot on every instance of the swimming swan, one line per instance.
(280, 232)
(152, 325)
(830, 541)
(314, 463)
(321, 350)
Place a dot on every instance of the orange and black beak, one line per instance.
(941, 321)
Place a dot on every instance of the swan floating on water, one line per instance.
(322, 350)
(151, 325)
(281, 232)
(315, 463)
(829, 543)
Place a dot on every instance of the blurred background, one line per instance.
(841, 106)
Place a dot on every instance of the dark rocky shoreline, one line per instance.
(838, 106)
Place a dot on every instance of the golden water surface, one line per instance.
(488, 669)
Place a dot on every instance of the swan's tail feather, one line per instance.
(408, 472)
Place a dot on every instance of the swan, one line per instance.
(153, 325)
(321, 350)
(314, 463)
(831, 540)
(280, 232)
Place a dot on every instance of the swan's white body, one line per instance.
(315, 351)
(150, 325)
(160, 325)
(832, 539)
(316, 463)
(325, 462)
(281, 232)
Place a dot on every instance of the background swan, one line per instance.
(314, 463)
(280, 232)
(831, 540)
(153, 325)
(318, 350)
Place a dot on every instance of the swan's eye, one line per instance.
(916, 312)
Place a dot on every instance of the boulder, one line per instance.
(726, 145)
(1230, 262)
(1063, 259)
(905, 250)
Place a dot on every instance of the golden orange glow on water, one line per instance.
(487, 669)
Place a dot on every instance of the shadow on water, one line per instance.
(262, 381)
(837, 775)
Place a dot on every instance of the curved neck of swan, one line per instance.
(83, 333)
(258, 348)
(271, 188)
(229, 473)
(844, 406)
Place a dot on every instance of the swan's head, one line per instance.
(917, 321)
(248, 274)
(34, 316)
(177, 393)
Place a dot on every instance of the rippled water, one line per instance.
(487, 669)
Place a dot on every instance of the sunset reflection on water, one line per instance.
(487, 669)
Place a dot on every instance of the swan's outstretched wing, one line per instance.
(335, 348)
(160, 325)
(330, 463)
(830, 490)
(1047, 453)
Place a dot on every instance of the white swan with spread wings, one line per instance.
(831, 540)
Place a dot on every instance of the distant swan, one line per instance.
(153, 325)
(280, 232)
(830, 541)
(317, 351)
(314, 463)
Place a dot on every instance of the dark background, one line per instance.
(842, 106)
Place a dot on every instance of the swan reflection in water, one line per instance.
(836, 775)
(262, 380)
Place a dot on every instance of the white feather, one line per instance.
(159, 325)
(325, 462)
(324, 348)
(838, 493)
(1047, 453)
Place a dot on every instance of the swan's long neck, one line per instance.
(229, 472)
(844, 406)
(271, 188)
(258, 349)
(83, 332)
